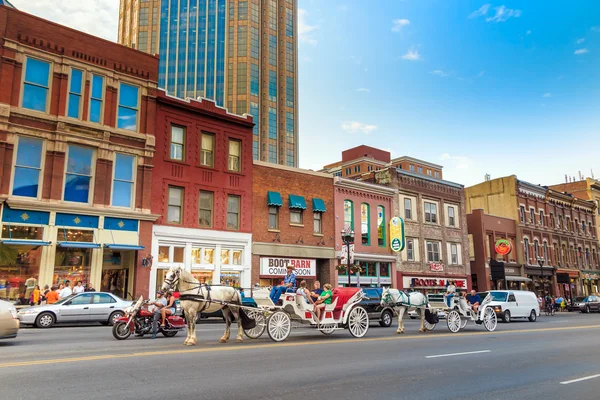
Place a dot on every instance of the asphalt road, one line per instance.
(521, 360)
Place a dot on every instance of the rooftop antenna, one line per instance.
(592, 171)
(566, 179)
(580, 176)
(487, 177)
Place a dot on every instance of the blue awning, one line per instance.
(123, 247)
(297, 202)
(319, 205)
(79, 245)
(25, 242)
(274, 199)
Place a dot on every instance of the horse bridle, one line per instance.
(173, 281)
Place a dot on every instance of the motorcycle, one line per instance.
(139, 321)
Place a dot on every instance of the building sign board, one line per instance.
(397, 239)
(428, 282)
(276, 267)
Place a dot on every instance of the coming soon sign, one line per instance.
(276, 267)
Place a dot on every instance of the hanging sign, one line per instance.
(344, 255)
(397, 239)
(503, 247)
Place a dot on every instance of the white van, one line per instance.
(509, 304)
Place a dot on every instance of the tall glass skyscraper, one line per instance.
(240, 53)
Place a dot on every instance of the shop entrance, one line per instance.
(116, 266)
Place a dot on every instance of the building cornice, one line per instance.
(531, 189)
(292, 169)
(364, 186)
(430, 179)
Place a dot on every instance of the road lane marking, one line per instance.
(240, 347)
(459, 354)
(585, 378)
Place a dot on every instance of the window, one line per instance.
(522, 214)
(177, 143)
(28, 167)
(453, 253)
(451, 217)
(536, 249)
(96, 99)
(273, 15)
(433, 251)
(531, 216)
(78, 178)
(242, 42)
(431, 213)
(420, 170)
(103, 298)
(36, 85)
(128, 107)
(583, 227)
(542, 221)
(272, 123)
(254, 38)
(273, 50)
(75, 91)
(254, 113)
(81, 299)
(242, 79)
(254, 84)
(411, 168)
(273, 217)
(289, 91)
(289, 23)
(243, 10)
(407, 208)
(560, 222)
(235, 153)
(122, 193)
(272, 153)
(552, 223)
(289, 57)
(546, 254)
(381, 226)
(207, 150)
(526, 250)
(144, 16)
(365, 224)
(317, 222)
(410, 249)
(429, 172)
(233, 212)
(174, 213)
(272, 85)
(296, 216)
(254, 13)
(205, 209)
(437, 174)
(348, 215)
(143, 41)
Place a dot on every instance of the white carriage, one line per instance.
(344, 312)
(460, 313)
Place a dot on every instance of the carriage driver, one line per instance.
(289, 285)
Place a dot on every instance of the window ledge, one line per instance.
(273, 230)
(178, 162)
(318, 234)
(297, 225)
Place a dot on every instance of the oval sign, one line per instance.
(503, 247)
(397, 240)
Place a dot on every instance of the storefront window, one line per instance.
(203, 276)
(224, 256)
(19, 271)
(237, 257)
(163, 254)
(384, 270)
(75, 235)
(22, 232)
(178, 254)
(115, 272)
(209, 256)
(160, 278)
(72, 265)
(230, 278)
(197, 256)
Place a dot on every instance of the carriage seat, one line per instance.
(302, 304)
(341, 296)
(332, 306)
(463, 305)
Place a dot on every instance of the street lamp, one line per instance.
(540, 261)
(348, 239)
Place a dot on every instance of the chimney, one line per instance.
(566, 179)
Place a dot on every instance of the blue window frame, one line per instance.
(254, 38)
(272, 85)
(255, 150)
(97, 98)
(75, 91)
(272, 123)
(272, 153)
(254, 79)
(289, 127)
(122, 193)
(128, 107)
(28, 167)
(79, 174)
(273, 50)
(289, 91)
(289, 23)
(36, 85)
(254, 113)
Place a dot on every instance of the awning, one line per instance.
(25, 242)
(319, 205)
(517, 279)
(274, 199)
(79, 245)
(123, 247)
(297, 202)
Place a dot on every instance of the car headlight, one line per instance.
(29, 311)
(498, 309)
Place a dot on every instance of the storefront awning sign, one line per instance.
(123, 247)
(25, 242)
(397, 239)
(318, 205)
(274, 199)
(297, 202)
(79, 245)
(276, 267)
(121, 224)
(427, 282)
(77, 220)
(10, 215)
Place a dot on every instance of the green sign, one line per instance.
(396, 244)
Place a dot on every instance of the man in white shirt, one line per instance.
(159, 304)
(79, 288)
(66, 292)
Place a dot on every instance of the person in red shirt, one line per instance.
(52, 296)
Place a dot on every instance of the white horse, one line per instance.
(402, 302)
(197, 298)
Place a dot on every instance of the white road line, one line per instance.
(585, 378)
(459, 354)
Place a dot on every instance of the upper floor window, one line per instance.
(431, 213)
(122, 193)
(348, 215)
(96, 99)
(318, 222)
(28, 167)
(433, 251)
(429, 172)
(420, 170)
(532, 215)
(177, 148)
(411, 168)
(208, 149)
(453, 253)
(437, 174)
(205, 209)
(233, 212)
(380, 226)
(235, 153)
(127, 114)
(451, 217)
(273, 217)
(583, 227)
(522, 213)
(75, 92)
(78, 179)
(296, 216)
(410, 249)
(36, 85)
(407, 208)
(526, 250)
(542, 219)
(365, 223)
(536, 249)
(547, 254)
(174, 213)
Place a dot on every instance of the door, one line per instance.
(513, 306)
(372, 304)
(77, 309)
(102, 306)
(594, 303)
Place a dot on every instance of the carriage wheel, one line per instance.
(327, 329)
(261, 324)
(453, 321)
(358, 322)
(464, 323)
(428, 326)
(279, 326)
(489, 320)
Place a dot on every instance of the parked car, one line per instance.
(384, 315)
(589, 304)
(574, 305)
(84, 307)
(246, 301)
(413, 314)
(9, 323)
(509, 304)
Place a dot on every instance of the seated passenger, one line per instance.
(474, 300)
(304, 292)
(325, 298)
(314, 295)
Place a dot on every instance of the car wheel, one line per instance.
(506, 317)
(532, 316)
(114, 317)
(386, 319)
(45, 320)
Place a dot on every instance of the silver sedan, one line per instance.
(9, 324)
(84, 307)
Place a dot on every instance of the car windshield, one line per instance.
(498, 296)
(585, 300)
(62, 301)
(579, 299)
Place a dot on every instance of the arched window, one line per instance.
(348, 215)
(381, 226)
(365, 224)
(526, 250)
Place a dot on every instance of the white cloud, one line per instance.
(96, 17)
(398, 24)
(581, 51)
(412, 55)
(304, 29)
(363, 90)
(356, 127)
(440, 73)
(483, 10)
(547, 95)
(503, 14)
(579, 41)
(460, 162)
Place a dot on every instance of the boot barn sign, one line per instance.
(426, 282)
(275, 267)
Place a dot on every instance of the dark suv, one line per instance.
(385, 315)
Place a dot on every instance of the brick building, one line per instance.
(366, 209)
(202, 190)
(77, 144)
(292, 224)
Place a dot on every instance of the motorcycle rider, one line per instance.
(159, 304)
(169, 309)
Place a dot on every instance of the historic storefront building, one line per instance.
(292, 224)
(76, 140)
(202, 190)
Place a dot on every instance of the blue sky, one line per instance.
(502, 88)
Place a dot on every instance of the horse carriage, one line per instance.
(460, 313)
